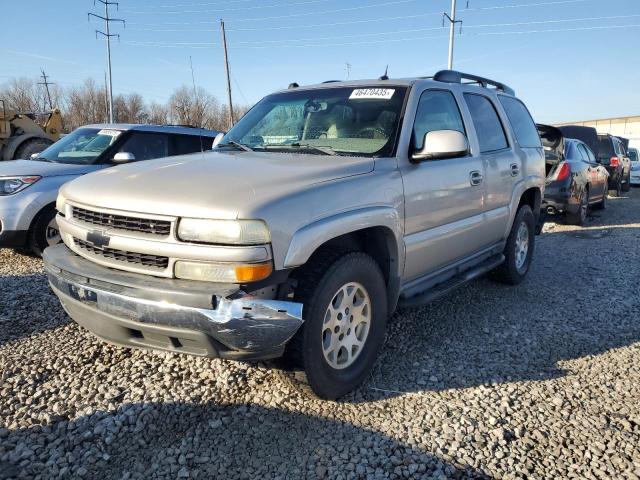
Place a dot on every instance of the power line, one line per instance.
(383, 19)
(376, 42)
(107, 35)
(237, 9)
(412, 30)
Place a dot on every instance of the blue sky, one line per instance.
(567, 59)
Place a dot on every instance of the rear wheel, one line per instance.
(617, 190)
(519, 248)
(580, 216)
(345, 313)
(44, 231)
(31, 146)
(602, 204)
(627, 184)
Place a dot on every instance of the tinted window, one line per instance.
(146, 146)
(633, 154)
(487, 123)
(437, 110)
(183, 144)
(605, 150)
(521, 122)
(590, 155)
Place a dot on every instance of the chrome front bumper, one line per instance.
(189, 317)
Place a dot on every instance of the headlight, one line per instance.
(223, 273)
(224, 232)
(11, 185)
(60, 201)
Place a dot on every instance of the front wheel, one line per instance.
(44, 232)
(519, 248)
(345, 313)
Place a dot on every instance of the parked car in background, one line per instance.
(635, 166)
(610, 152)
(319, 212)
(575, 181)
(28, 188)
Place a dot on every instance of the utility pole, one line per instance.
(107, 35)
(452, 26)
(106, 96)
(226, 64)
(347, 67)
(46, 84)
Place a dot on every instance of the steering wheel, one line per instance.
(370, 132)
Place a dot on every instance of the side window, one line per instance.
(146, 146)
(489, 129)
(521, 122)
(437, 110)
(184, 144)
(583, 153)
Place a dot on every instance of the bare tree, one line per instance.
(85, 104)
(158, 114)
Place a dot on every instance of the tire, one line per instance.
(602, 204)
(31, 146)
(580, 216)
(617, 191)
(41, 234)
(515, 268)
(331, 372)
(627, 185)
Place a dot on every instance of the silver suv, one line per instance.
(314, 217)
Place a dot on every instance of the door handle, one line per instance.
(475, 178)
(515, 169)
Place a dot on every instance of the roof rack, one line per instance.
(453, 76)
(331, 81)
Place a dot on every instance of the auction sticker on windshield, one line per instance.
(372, 93)
(112, 133)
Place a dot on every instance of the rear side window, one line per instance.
(583, 153)
(489, 129)
(437, 110)
(184, 144)
(521, 122)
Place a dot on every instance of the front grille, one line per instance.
(122, 222)
(147, 260)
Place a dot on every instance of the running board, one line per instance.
(448, 286)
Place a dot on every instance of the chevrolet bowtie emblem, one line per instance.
(98, 239)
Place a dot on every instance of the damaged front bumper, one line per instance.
(197, 318)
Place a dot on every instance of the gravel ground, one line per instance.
(537, 381)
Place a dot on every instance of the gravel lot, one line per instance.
(537, 381)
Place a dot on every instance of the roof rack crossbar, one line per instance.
(453, 76)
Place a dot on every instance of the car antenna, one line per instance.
(385, 76)
(195, 96)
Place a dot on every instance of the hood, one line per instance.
(209, 185)
(44, 169)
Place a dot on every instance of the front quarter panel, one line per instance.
(301, 221)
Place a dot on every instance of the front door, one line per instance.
(443, 198)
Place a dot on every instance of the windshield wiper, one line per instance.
(42, 159)
(317, 148)
(239, 146)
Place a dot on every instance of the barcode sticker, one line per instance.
(111, 133)
(372, 93)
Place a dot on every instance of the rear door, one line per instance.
(596, 173)
(443, 198)
(500, 164)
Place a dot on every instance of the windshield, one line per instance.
(359, 121)
(81, 147)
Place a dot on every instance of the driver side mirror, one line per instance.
(217, 139)
(441, 144)
(123, 157)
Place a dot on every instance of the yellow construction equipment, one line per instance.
(23, 134)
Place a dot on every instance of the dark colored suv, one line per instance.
(613, 156)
